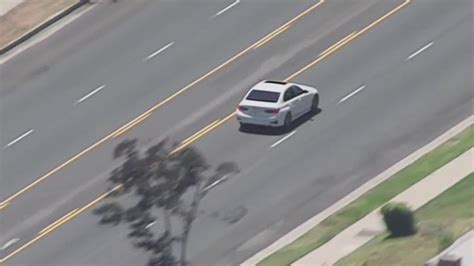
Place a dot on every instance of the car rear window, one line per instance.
(263, 96)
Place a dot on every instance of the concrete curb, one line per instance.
(460, 241)
(51, 20)
(309, 224)
(416, 196)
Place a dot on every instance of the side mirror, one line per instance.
(305, 91)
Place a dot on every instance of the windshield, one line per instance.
(263, 96)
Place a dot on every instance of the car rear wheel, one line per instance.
(287, 122)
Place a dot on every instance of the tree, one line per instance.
(159, 190)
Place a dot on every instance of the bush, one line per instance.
(399, 219)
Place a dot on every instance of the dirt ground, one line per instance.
(27, 16)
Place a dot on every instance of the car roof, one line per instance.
(273, 86)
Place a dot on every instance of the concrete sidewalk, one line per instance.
(371, 225)
(7, 5)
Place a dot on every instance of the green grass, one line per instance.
(372, 199)
(440, 223)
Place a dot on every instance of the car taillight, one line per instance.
(242, 108)
(272, 111)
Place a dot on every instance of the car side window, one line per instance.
(289, 94)
(296, 90)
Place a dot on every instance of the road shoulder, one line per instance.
(28, 18)
(309, 224)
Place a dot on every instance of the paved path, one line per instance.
(7, 5)
(368, 227)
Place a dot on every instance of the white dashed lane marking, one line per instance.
(420, 50)
(159, 51)
(90, 94)
(226, 9)
(352, 94)
(22, 136)
(283, 139)
(9, 243)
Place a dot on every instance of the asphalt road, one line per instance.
(109, 46)
(404, 104)
(45, 203)
(43, 87)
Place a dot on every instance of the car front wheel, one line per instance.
(315, 103)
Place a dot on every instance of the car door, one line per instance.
(301, 101)
(289, 98)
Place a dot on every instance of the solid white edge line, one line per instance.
(283, 139)
(90, 94)
(352, 94)
(24, 135)
(9, 243)
(227, 8)
(420, 50)
(159, 51)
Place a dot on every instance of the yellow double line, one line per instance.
(271, 36)
(118, 132)
(206, 130)
(201, 133)
(284, 27)
(327, 52)
(130, 125)
(58, 223)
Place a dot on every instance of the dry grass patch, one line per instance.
(27, 16)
